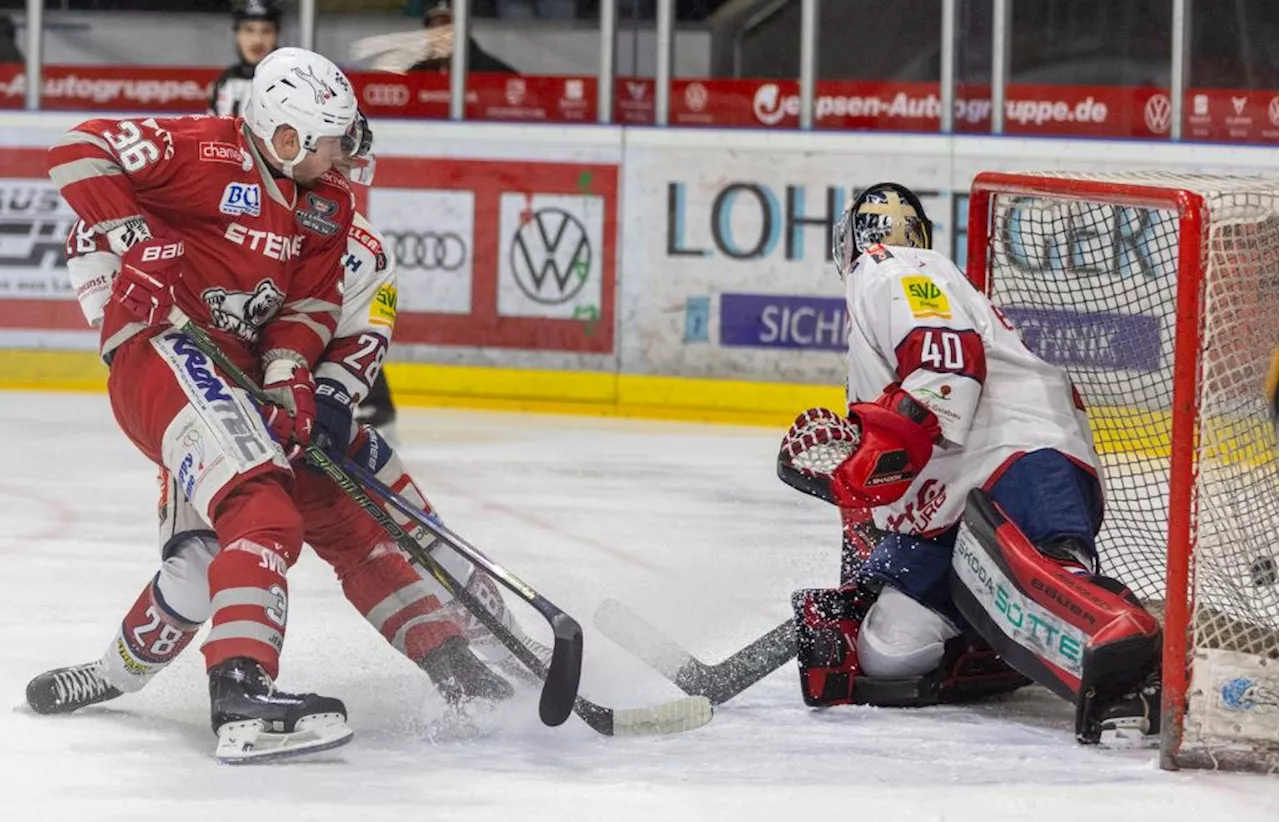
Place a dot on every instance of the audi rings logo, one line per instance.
(551, 256)
(427, 250)
(386, 94)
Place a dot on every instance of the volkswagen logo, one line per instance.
(551, 256)
(427, 250)
(386, 94)
(1157, 113)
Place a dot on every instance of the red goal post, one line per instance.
(1157, 292)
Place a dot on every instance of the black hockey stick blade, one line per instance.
(561, 677)
(718, 683)
(564, 673)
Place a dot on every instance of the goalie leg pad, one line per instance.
(1086, 640)
(828, 624)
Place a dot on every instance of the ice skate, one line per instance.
(461, 677)
(1132, 720)
(257, 723)
(488, 647)
(64, 690)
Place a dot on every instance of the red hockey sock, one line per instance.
(261, 535)
(150, 637)
(396, 601)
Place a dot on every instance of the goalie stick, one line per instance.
(817, 442)
(671, 717)
(719, 682)
(559, 693)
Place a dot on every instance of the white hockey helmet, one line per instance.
(304, 90)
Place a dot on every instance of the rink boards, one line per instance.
(633, 272)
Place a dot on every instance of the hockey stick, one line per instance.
(671, 717)
(720, 682)
(565, 670)
(558, 698)
(560, 688)
(816, 443)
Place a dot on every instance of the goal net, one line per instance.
(1158, 293)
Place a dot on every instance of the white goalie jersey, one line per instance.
(914, 319)
(369, 297)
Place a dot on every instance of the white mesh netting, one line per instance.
(1093, 284)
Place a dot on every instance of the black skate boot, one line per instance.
(378, 410)
(1133, 720)
(1128, 719)
(461, 677)
(255, 722)
(64, 690)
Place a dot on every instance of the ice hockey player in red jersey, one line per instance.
(241, 223)
(975, 461)
(410, 610)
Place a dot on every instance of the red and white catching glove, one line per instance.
(290, 411)
(866, 459)
(148, 273)
(896, 442)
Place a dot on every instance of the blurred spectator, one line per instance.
(439, 13)
(257, 28)
(9, 51)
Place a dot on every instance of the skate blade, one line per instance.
(241, 743)
(1128, 736)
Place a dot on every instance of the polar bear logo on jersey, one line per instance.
(243, 313)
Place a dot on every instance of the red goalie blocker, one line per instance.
(1083, 636)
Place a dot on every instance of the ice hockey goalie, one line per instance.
(966, 473)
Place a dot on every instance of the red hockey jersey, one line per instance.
(264, 256)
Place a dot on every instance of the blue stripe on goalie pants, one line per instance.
(1044, 493)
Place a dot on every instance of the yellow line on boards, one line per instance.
(600, 393)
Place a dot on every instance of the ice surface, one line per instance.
(685, 523)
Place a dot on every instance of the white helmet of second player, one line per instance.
(304, 90)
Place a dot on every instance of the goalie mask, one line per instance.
(885, 213)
